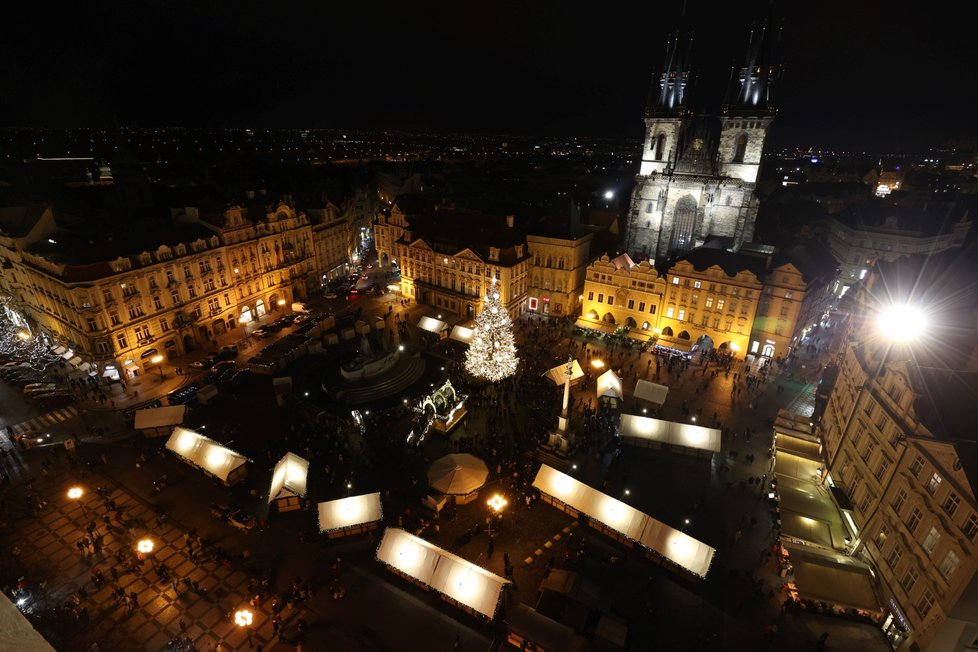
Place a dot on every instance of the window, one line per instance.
(121, 339)
(787, 295)
(697, 284)
(682, 314)
(675, 280)
(881, 536)
(114, 318)
(909, 579)
(925, 602)
(175, 297)
(152, 283)
(970, 528)
(600, 297)
(866, 502)
(933, 538)
(611, 300)
(158, 303)
(951, 503)
(186, 273)
(914, 519)
(164, 326)
(92, 325)
(719, 304)
(590, 296)
(102, 347)
(670, 311)
(893, 558)
(695, 299)
(209, 285)
(898, 501)
(227, 299)
(652, 309)
(740, 149)
(135, 311)
(191, 290)
(870, 448)
(641, 306)
(949, 565)
(169, 276)
(881, 469)
(631, 304)
(709, 302)
(142, 333)
(934, 483)
(917, 465)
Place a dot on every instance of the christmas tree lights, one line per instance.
(492, 353)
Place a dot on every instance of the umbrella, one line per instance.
(457, 474)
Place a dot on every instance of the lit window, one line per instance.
(709, 302)
(675, 280)
(951, 503)
(933, 538)
(682, 314)
(670, 311)
(696, 284)
(719, 304)
(949, 565)
(934, 483)
(925, 602)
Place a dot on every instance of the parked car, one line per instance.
(228, 352)
(262, 332)
(221, 366)
(38, 388)
(242, 520)
(301, 319)
(225, 376)
(205, 363)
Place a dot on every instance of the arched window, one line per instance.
(560, 263)
(667, 331)
(684, 222)
(660, 147)
(740, 149)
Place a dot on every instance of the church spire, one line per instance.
(669, 95)
(753, 88)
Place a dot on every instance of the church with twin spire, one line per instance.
(699, 170)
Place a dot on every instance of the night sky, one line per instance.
(894, 75)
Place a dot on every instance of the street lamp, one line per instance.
(497, 503)
(75, 493)
(901, 322)
(243, 618)
(158, 360)
(145, 546)
(597, 363)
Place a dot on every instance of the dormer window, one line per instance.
(493, 253)
(181, 250)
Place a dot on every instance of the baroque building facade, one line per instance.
(698, 172)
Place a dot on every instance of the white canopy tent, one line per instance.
(349, 512)
(432, 325)
(609, 384)
(68, 355)
(651, 392)
(457, 474)
(16, 632)
(669, 432)
(471, 586)
(462, 334)
(289, 477)
(168, 415)
(207, 454)
(559, 373)
(679, 548)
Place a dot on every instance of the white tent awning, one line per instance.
(450, 575)
(678, 547)
(670, 432)
(559, 373)
(431, 324)
(75, 361)
(651, 392)
(289, 477)
(170, 415)
(58, 350)
(609, 384)
(204, 453)
(462, 334)
(68, 355)
(349, 512)
(17, 632)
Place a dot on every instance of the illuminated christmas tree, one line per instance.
(492, 352)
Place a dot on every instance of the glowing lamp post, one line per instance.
(901, 322)
(497, 503)
(281, 302)
(597, 363)
(145, 546)
(158, 360)
(243, 618)
(76, 493)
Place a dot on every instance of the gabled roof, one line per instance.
(730, 262)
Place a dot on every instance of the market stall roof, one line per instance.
(204, 452)
(651, 392)
(831, 577)
(169, 415)
(349, 512)
(670, 432)
(678, 547)
(609, 384)
(58, 350)
(75, 361)
(68, 355)
(559, 373)
(289, 477)
(431, 324)
(457, 474)
(17, 632)
(595, 325)
(796, 466)
(450, 575)
(462, 334)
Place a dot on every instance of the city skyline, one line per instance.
(519, 70)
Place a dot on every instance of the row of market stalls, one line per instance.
(668, 546)
(819, 573)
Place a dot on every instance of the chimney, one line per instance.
(509, 220)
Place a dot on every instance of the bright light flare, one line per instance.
(597, 364)
(145, 546)
(902, 323)
(75, 493)
(497, 503)
(243, 618)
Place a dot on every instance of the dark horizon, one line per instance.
(547, 69)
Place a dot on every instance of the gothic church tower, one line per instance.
(698, 171)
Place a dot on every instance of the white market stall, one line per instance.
(17, 632)
(559, 373)
(159, 422)
(651, 392)
(432, 325)
(289, 483)
(609, 384)
(683, 438)
(208, 455)
(348, 516)
(460, 582)
(458, 474)
(462, 334)
(671, 547)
